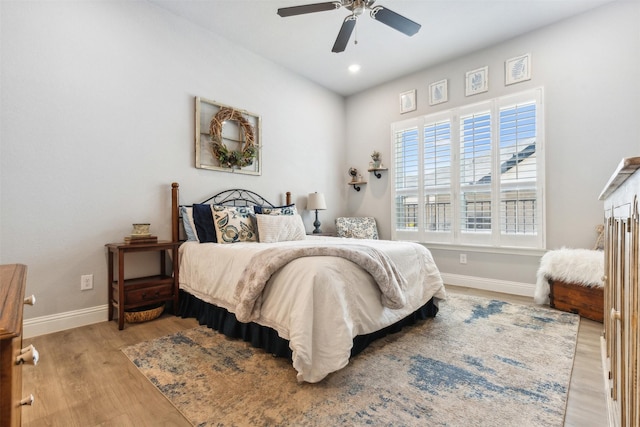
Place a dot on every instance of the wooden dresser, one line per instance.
(621, 338)
(13, 279)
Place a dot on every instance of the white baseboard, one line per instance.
(63, 321)
(88, 316)
(503, 286)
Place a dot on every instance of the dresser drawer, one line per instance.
(12, 286)
(146, 295)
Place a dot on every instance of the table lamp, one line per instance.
(316, 202)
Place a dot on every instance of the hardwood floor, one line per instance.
(83, 379)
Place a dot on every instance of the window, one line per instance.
(472, 175)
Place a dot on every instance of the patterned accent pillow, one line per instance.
(233, 224)
(278, 210)
(357, 227)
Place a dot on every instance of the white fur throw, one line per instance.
(580, 266)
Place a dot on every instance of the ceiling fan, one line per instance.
(379, 13)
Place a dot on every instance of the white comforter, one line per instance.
(319, 303)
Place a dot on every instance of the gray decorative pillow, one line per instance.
(187, 222)
(357, 227)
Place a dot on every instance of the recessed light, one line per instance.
(354, 68)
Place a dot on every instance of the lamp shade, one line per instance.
(315, 201)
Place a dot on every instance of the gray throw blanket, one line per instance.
(263, 264)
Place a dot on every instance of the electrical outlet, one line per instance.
(463, 258)
(86, 282)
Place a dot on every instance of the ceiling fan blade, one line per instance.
(345, 34)
(395, 21)
(308, 8)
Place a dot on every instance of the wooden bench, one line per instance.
(586, 301)
(571, 280)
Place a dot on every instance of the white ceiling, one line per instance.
(450, 28)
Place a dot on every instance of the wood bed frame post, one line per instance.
(175, 229)
(288, 198)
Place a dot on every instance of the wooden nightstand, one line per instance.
(141, 291)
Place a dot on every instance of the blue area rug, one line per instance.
(480, 362)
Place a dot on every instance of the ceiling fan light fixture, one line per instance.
(357, 8)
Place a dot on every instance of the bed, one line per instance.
(255, 274)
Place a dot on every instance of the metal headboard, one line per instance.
(234, 197)
(238, 197)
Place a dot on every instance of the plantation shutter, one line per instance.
(520, 181)
(472, 175)
(475, 174)
(406, 161)
(438, 211)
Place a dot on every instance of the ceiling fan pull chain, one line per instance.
(355, 39)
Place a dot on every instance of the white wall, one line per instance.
(98, 120)
(586, 66)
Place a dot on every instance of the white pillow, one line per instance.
(280, 228)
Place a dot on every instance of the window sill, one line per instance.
(486, 249)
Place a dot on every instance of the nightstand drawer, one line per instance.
(149, 294)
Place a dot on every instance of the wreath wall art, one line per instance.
(227, 138)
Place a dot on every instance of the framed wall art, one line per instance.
(477, 81)
(438, 92)
(407, 101)
(227, 139)
(517, 69)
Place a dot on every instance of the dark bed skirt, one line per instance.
(266, 338)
